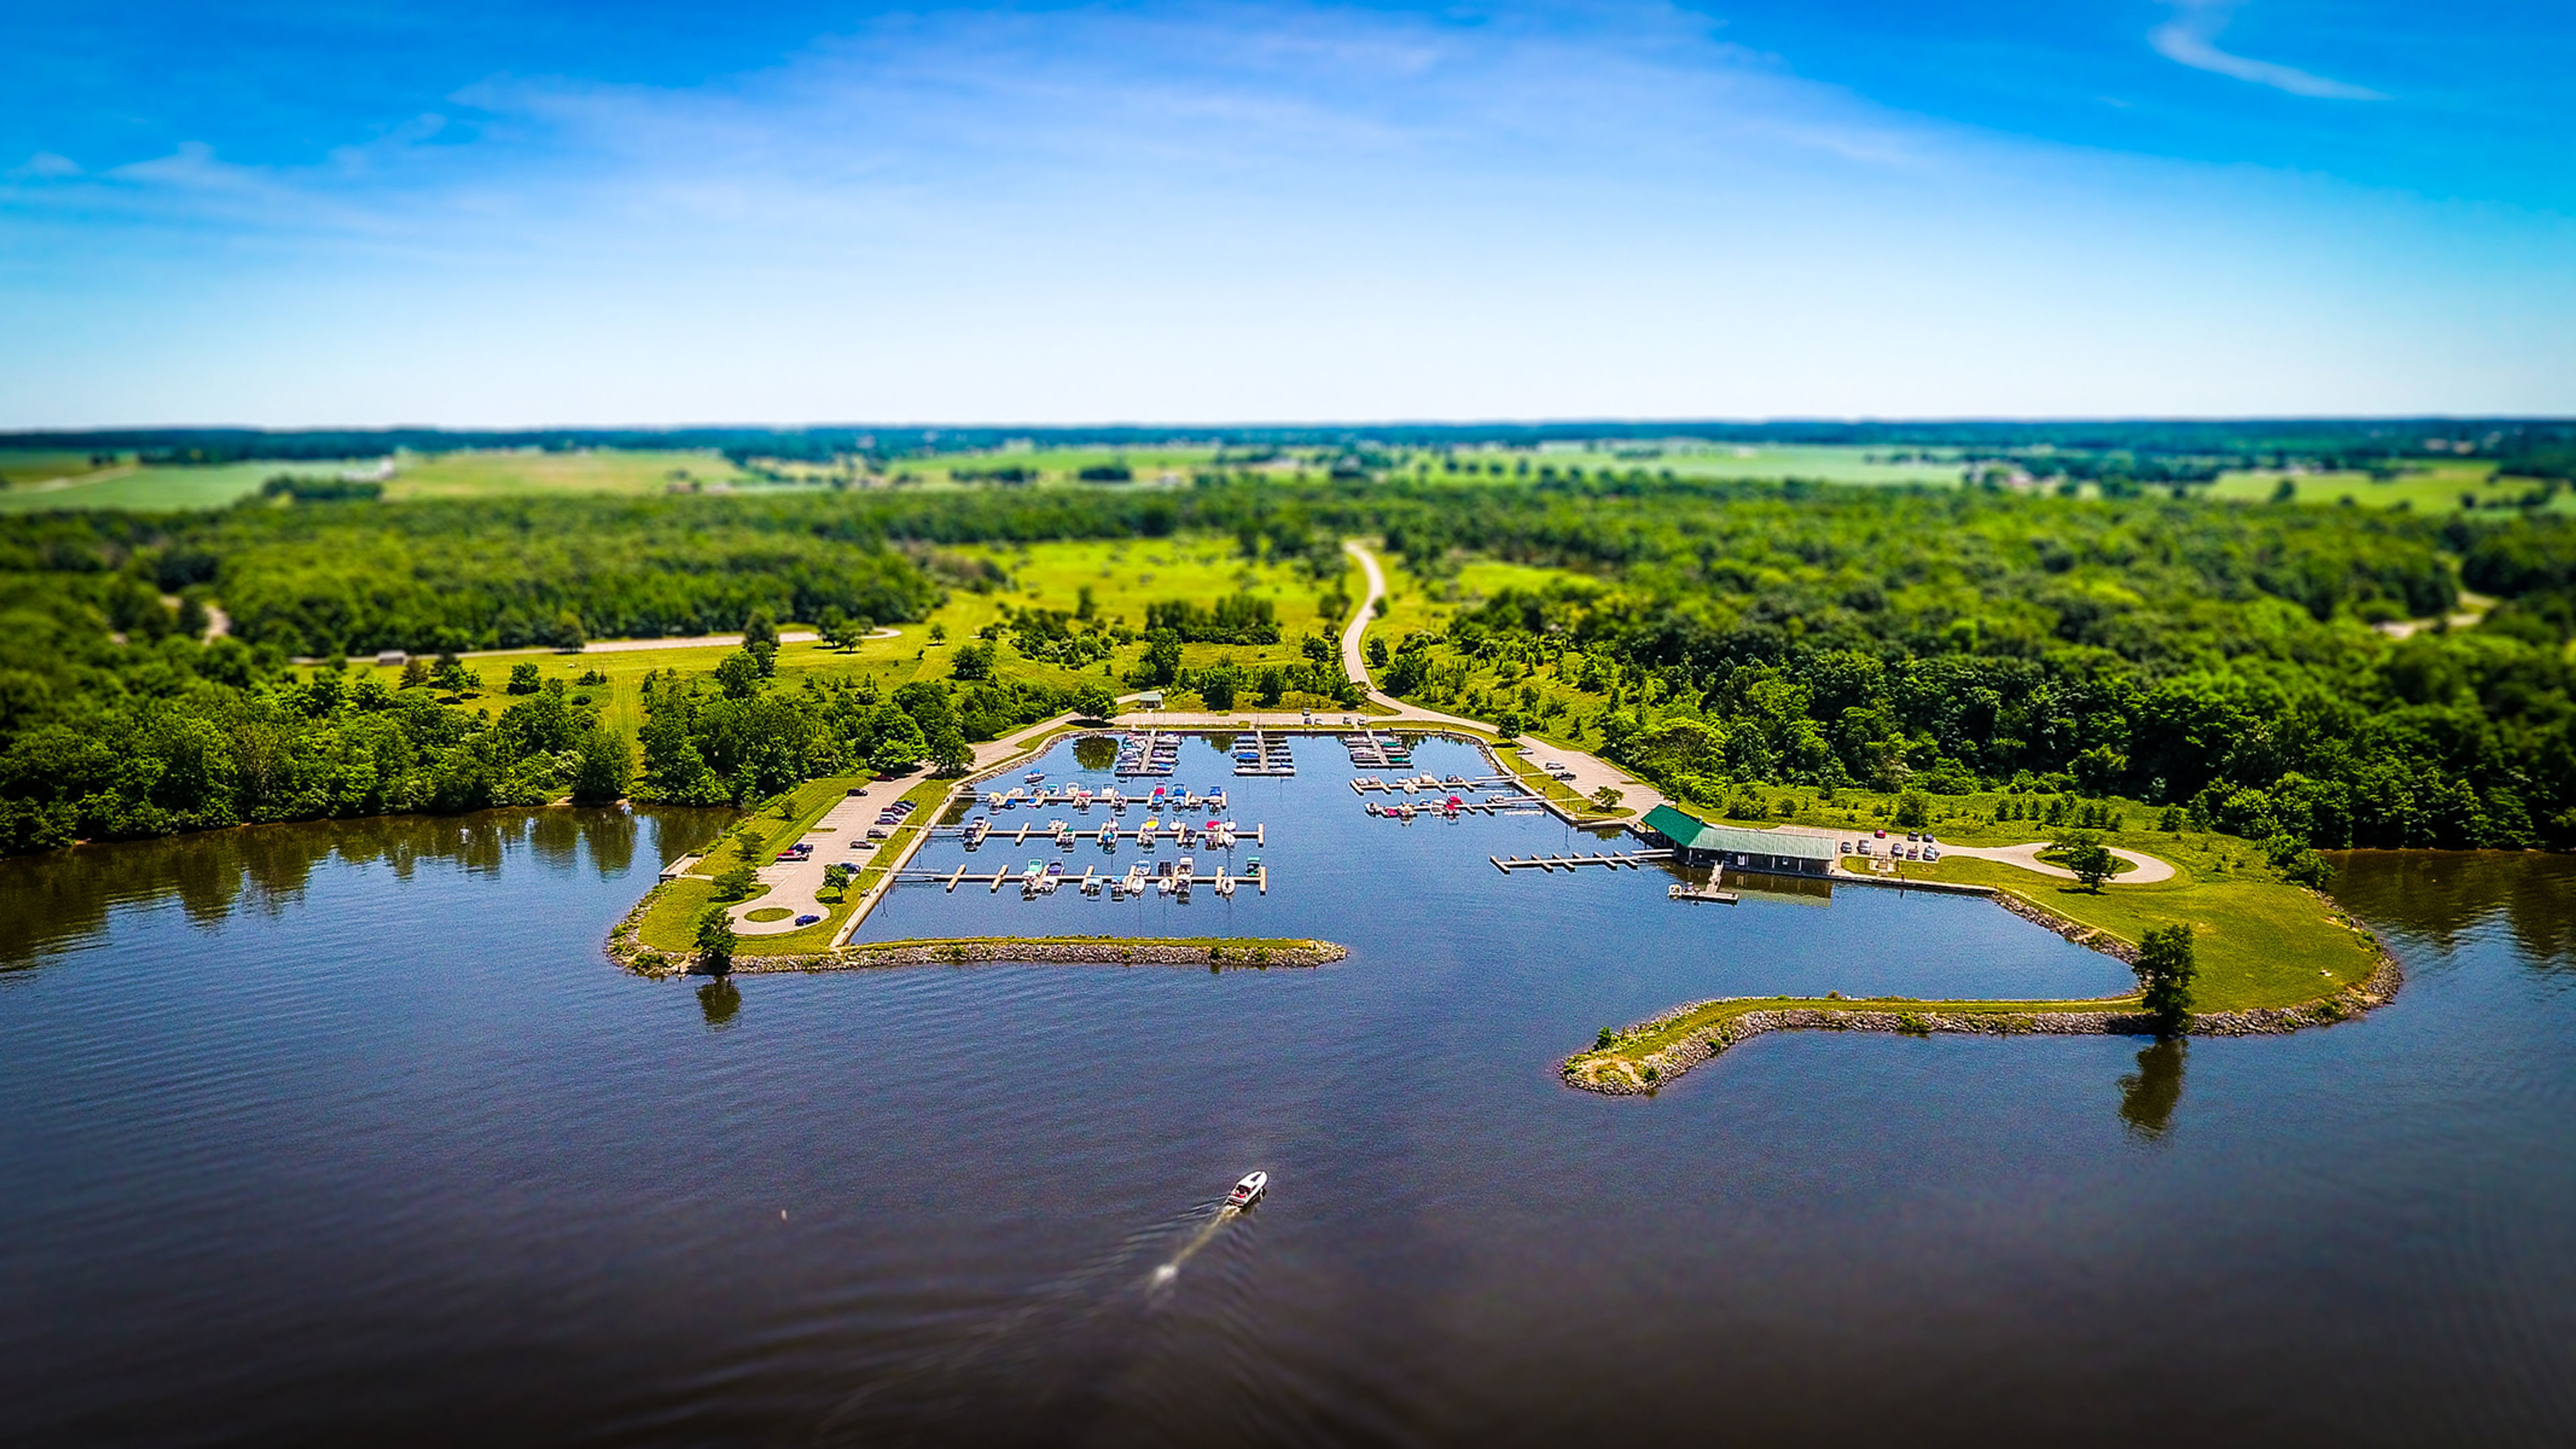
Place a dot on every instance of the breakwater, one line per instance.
(1616, 1074)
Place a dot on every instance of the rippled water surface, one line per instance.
(336, 1133)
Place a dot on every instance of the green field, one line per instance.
(2444, 487)
(495, 473)
(157, 489)
(1123, 577)
(1828, 464)
(20, 467)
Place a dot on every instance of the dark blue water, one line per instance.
(349, 1132)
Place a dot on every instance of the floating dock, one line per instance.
(1266, 754)
(1407, 810)
(1062, 832)
(1135, 882)
(1148, 752)
(1632, 859)
(1416, 784)
(1111, 799)
(1699, 893)
(1371, 750)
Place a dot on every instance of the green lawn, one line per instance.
(2261, 941)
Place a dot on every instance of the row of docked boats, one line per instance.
(1175, 878)
(1407, 810)
(1148, 752)
(1214, 834)
(1112, 798)
(1260, 753)
(1370, 750)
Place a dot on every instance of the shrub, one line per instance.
(737, 883)
(523, 679)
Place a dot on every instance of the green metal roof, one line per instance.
(1692, 833)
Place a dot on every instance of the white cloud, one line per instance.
(2191, 38)
(44, 165)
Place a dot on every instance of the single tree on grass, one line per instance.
(1606, 799)
(715, 941)
(2084, 853)
(2165, 970)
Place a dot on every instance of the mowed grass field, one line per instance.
(1123, 577)
(2445, 487)
(157, 489)
(496, 473)
(1828, 464)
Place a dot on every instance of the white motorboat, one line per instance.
(1248, 1191)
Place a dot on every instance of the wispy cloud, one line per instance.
(2191, 38)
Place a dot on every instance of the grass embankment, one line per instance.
(2261, 942)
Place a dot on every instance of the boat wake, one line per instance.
(1162, 1276)
(1054, 1346)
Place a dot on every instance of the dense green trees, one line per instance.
(2212, 657)
(2216, 660)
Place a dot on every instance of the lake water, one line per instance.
(343, 1132)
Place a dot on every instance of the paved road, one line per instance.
(2148, 870)
(1590, 773)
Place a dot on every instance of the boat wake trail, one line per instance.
(1164, 1275)
(1052, 1348)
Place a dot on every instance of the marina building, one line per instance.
(1738, 847)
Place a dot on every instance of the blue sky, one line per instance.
(290, 213)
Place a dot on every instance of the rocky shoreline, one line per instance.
(1648, 1074)
(628, 950)
(1219, 953)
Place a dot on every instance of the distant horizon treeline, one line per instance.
(2357, 441)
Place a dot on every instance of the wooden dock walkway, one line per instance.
(1223, 881)
(1632, 859)
(1367, 784)
(1019, 834)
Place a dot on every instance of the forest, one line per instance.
(2221, 658)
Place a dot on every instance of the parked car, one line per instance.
(807, 920)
